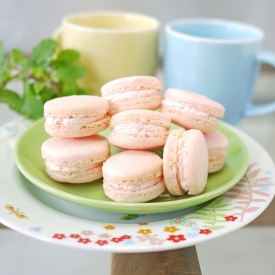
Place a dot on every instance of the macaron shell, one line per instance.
(76, 160)
(136, 176)
(191, 110)
(130, 83)
(130, 138)
(144, 103)
(79, 106)
(197, 101)
(140, 196)
(62, 149)
(217, 144)
(138, 140)
(76, 116)
(147, 117)
(189, 121)
(195, 162)
(215, 165)
(170, 159)
(132, 167)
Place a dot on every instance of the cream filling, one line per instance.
(139, 128)
(187, 110)
(69, 169)
(121, 97)
(136, 187)
(71, 121)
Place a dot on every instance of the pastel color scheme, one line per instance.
(134, 92)
(75, 160)
(217, 145)
(191, 110)
(76, 116)
(112, 45)
(133, 176)
(217, 58)
(139, 129)
(185, 162)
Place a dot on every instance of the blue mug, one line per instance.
(217, 58)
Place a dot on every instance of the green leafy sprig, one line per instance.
(49, 73)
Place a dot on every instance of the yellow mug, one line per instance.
(111, 45)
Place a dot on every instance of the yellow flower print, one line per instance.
(170, 229)
(143, 223)
(109, 227)
(145, 231)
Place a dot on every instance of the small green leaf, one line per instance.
(43, 52)
(38, 72)
(68, 89)
(47, 94)
(25, 64)
(12, 99)
(68, 55)
(38, 87)
(16, 56)
(70, 73)
(3, 62)
(33, 105)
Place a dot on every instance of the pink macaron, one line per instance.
(75, 160)
(134, 92)
(133, 176)
(217, 144)
(185, 162)
(191, 110)
(139, 129)
(76, 116)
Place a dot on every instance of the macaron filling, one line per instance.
(138, 128)
(187, 110)
(122, 97)
(72, 121)
(135, 187)
(70, 168)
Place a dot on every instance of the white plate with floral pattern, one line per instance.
(38, 214)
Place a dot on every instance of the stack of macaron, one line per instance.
(140, 122)
(75, 153)
(195, 111)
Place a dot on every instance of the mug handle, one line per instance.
(257, 110)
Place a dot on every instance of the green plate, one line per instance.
(29, 161)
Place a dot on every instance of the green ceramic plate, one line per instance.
(29, 161)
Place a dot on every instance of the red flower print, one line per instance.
(231, 218)
(176, 238)
(125, 237)
(120, 239)
(101, 242)
(59, 236)
(84, 240)
(117, 240)
(75, 236)
(205, 231)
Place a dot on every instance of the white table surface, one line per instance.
(250, 250)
